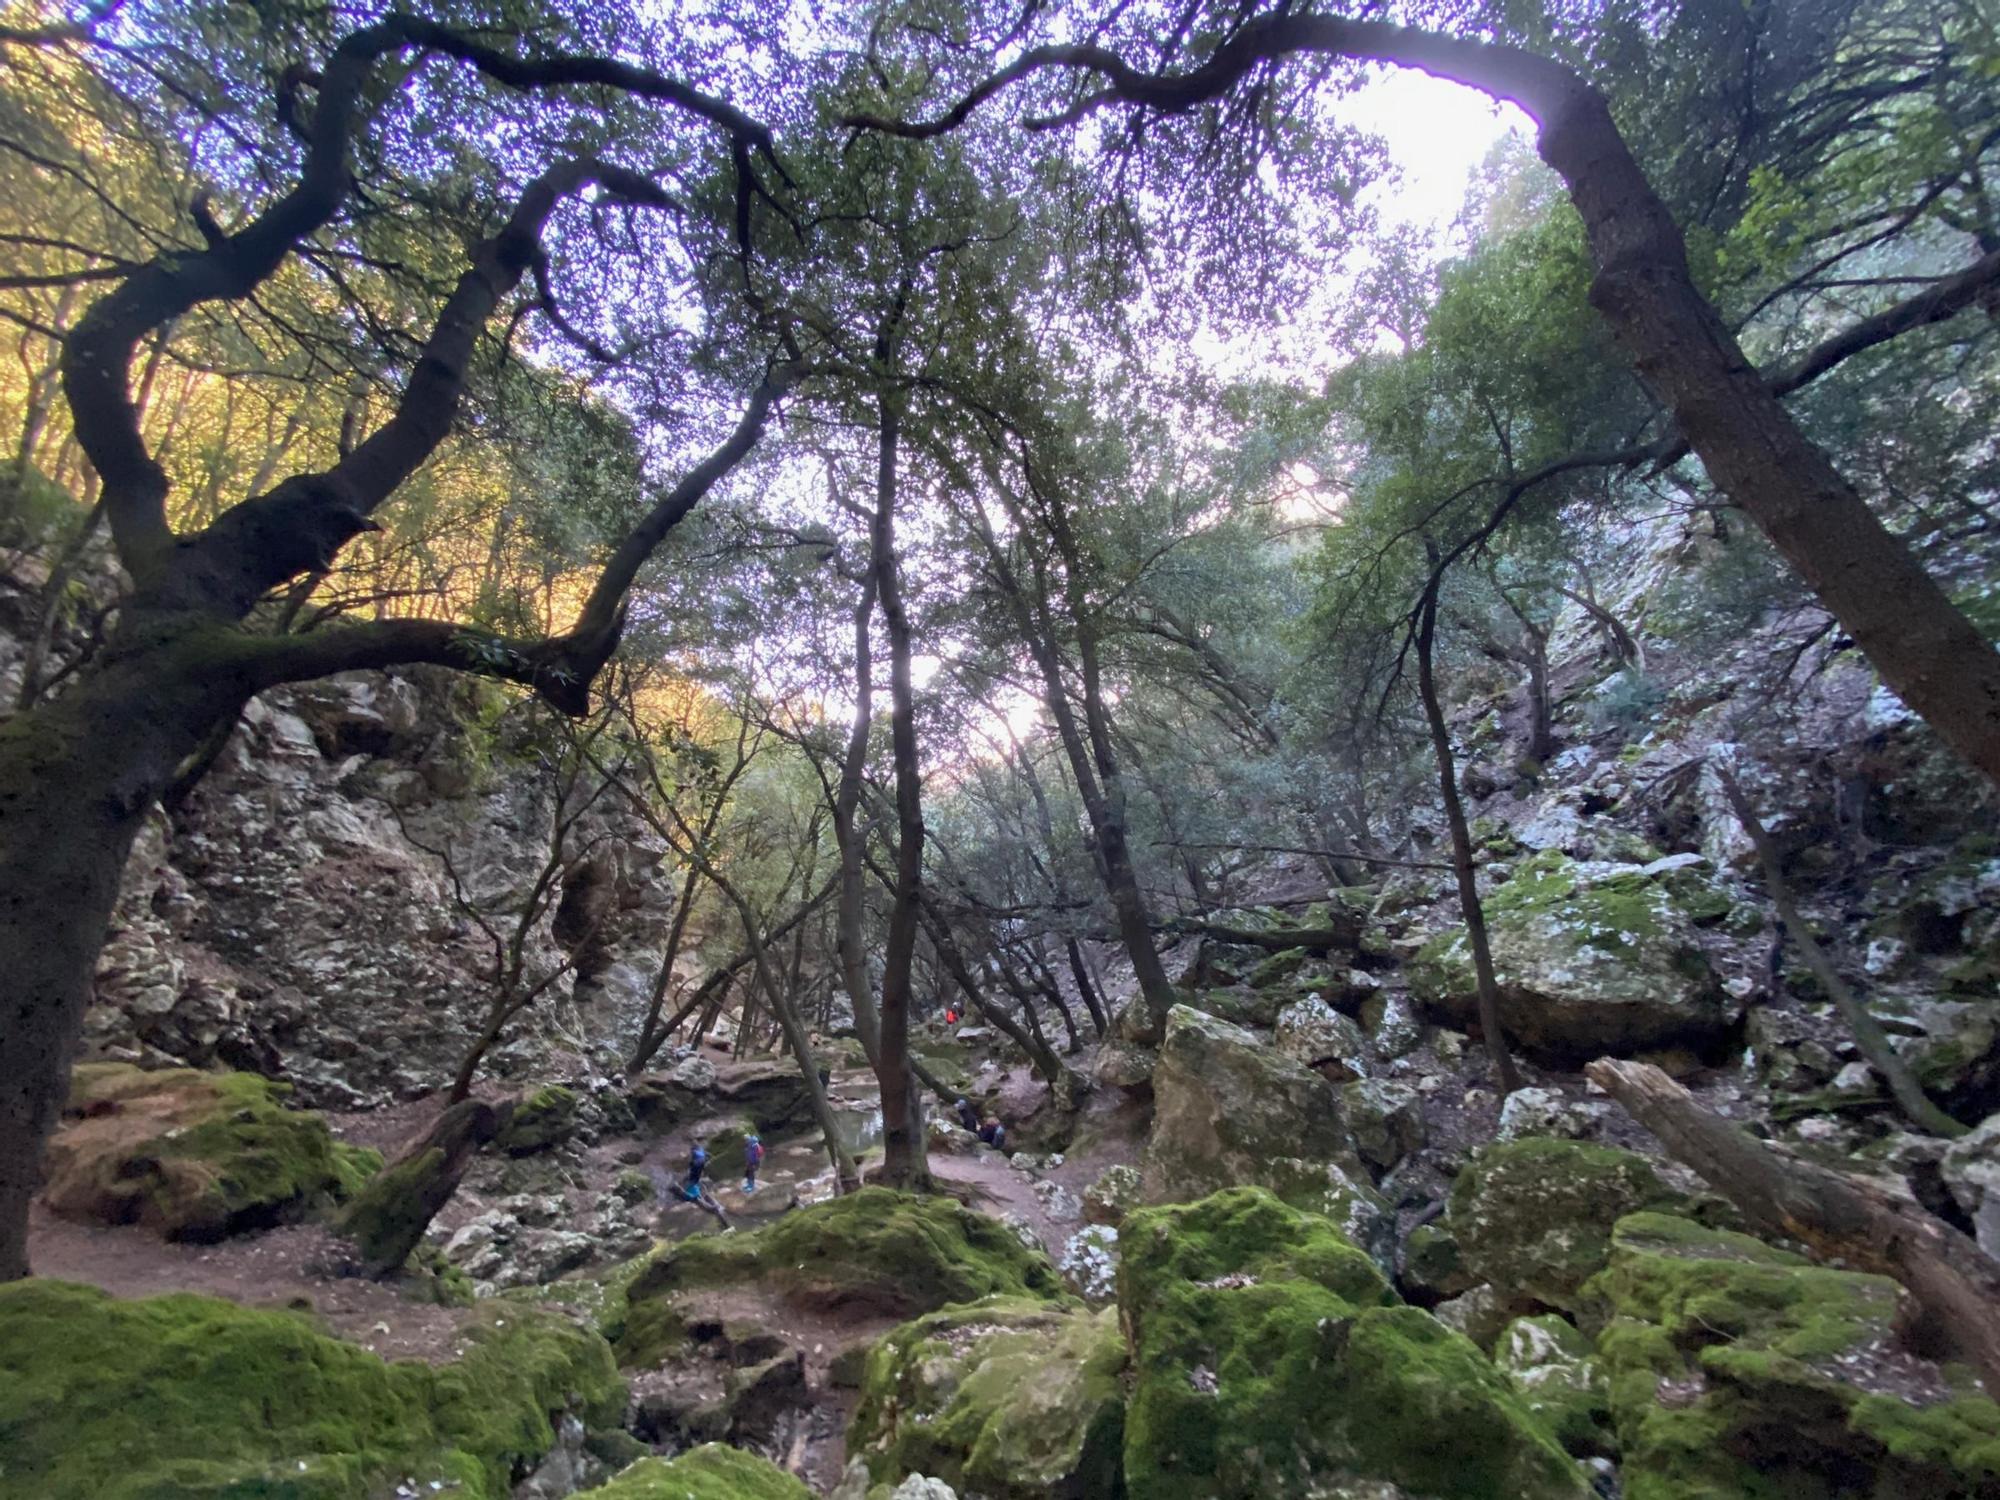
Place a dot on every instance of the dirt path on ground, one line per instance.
(278, 1268)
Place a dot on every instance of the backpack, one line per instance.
(753, 1154)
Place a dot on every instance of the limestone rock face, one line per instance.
(1008, 1398)
(1591, 958)
(1533, 1217)
(1231, 1301)
(293, 917)
(193, 1156)
(1739, 1369)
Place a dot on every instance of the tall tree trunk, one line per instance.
(1084, 988)
(1461, 847)
(904, 1158)
(1135, 921)
(1104, 810)
(846, 1178)
(849, 942)
(77, 778)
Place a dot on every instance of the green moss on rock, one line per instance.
(193, 1155)
(710, 1472)
(876, 1249)
(1270, 1358)
(1732, 1373)
(1011, 1398)
(1590, 958)
(1534, 1216)
(1556, 1371)
(545, 1118)
(188, 1396)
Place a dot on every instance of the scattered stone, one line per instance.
(1544, 1112)
(1386, 1118)
(1089, 1263)
(1112, 1196)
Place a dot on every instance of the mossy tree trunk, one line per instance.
(387, 1219)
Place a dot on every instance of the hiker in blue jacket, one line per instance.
(693, 1191)
(753, 1158)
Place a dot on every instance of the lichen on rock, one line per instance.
(1534, 1216)
(1009, 1398)
(1591, 958)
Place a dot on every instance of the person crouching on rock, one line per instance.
(753, 1158)
(696, 1192)
(967, 1115)
(993, 1133)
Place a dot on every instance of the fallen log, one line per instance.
(1318, 938)
(1956, 1287)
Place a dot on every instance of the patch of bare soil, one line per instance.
(279, 1268)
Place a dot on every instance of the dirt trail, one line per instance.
(278, 1268)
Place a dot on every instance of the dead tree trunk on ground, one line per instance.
(1957, 1288)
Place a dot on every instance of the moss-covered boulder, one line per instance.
(1558, 1375)
(876, 1249)
(1270, 1357)
(546, 1118)
(710, 1472)
(1226, 1103)
(1011, 1398)
(1591, 958)
(188, 1397)
(1740, 1370)
(1534, 1216)
(193, 1155)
